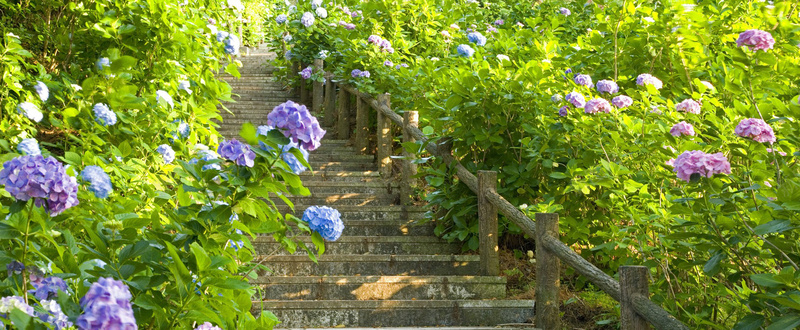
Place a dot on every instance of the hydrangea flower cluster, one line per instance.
(388, 63)
(576, 99)
(15, 267)
(583, 79)
(682, 128)
(323, 54)
(597, 105)
(103, 115)
(384, 44)
(29, 147)
(324, 220)
(622, 101)
(290, 159)
(48, 288)
(491, 29)
(183, 129)
(401, 65)
(107, 305)
(237, 152)
(502, 57)
(756, 40)
(163, 96)
(564, 111)
(564, 11)
(185, 85)
(206, 156)
(306, 73)
(607, 86)
(699, 162)
(308, 19)
(10, 303)
(102, 63)
(688, 105)
(42, 90)
(477, 38)
(648, 79)
(555, 98)
(54, 315)
(347, 26)
(356, 73)
(208, 325)
(316, 4)
(756, 129)
(43, 179)
(99, 182)
(280, 19)
(297, 123)
(30, 110)
(499, 22)
(167, 154)
(321, 12)
(465, 50)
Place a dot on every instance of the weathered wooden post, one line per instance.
(410, 118)
(362, 126)
(548, 268)
(632, 280)
(317, 89)
(294, 73)
(384, 137)
(343, 122)
(303, 88)
(330, 101)
(487, 216)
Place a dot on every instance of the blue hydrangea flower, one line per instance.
(15, 267)
(48, 288)
(321, 12)
(324, 220)
(221, 35)
(232, 44)
(290, 159)
(29, 147)
(238, 152)
(102, 63)
(365, 74)
(99, 182)
(477, 38)
(42, 90)
(183, 129)
(166, 153)
(54, 315)
(30, 110)
(323, 54)
(103, 115)
(10, 303)
(306, 73)
(43, 179)
(465, 50)
(307, 19)
(287, 38)
(281, 19)
(107, 305)
(163, 96)
(288, 55)
(185, 85)
(263, 130)
(206, 156)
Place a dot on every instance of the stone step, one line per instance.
(342, 166)
(381, 287)
(356, 264)
(499, 327)
(355, 213)
(318, 157)
(352, 245)
(393, 227)
(351, 176)
(328, 187)
(397, 313)
(343, 199)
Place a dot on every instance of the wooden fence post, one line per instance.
(384, 138)
(362, 126)
(410, 118)
(292, 75)
(317, 89)
(303, 88)
(548, 269)
(343, 122)
(487, 217)
(330, 101)
(632, 280)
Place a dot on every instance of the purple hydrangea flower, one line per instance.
(688, 105)
(42, 90)
(568, 71)
(54, 315)
(699, 162)
(564, 111)
(30, 110)
(238, 152)
(576, 99)
(306, 73)
(43, 179)
(648, 79)
(401, 65)
(564, 11)
(491, 29)
(607, 86)
(499, 22)
(756, 40)
(10, 303)
(280, 19)
(15, 267)
(162, 95)
(355, 14)
(583, 79)
(682, 128)
(374, 39)
(465, 50)
(355, 73)
(103, 115)
(324, 220)
(756, 129)
(365, 74)
(208, 325)
(107, 305)
(48, 288)
(388, 63)
(622, 101)
(477, 38)
(297, 123)
(29, 147)
(99, 182)
(347, 26)
(597, 105)
(308, 19)
(167, 154)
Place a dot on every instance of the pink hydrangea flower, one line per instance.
(648, 79)
(682, 128)
(576, 99)
(778, 151)
(699, 162)
(597, 105)
(622, 101)
(607, 86)
(755, 40)
(688, 105)
(756, 129)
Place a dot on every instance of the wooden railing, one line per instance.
(637, 310)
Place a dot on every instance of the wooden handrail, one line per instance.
(641, 304)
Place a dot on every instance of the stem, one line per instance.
(25, 252)
(179, 311)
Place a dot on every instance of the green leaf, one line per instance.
(767, 280)
(774, 226)
(319, 242)
(72, 158)
(203, 261)
(750, 322)
(184, 199)
(712, 266)
(248, 133)
(558, 175)
(21, 319)
(785, 322)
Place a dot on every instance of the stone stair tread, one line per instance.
(380, 279)
(432, 328)
(361, 239)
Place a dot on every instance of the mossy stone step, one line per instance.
(357, 264)
(396, 245)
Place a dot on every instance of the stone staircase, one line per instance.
(386, 270)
